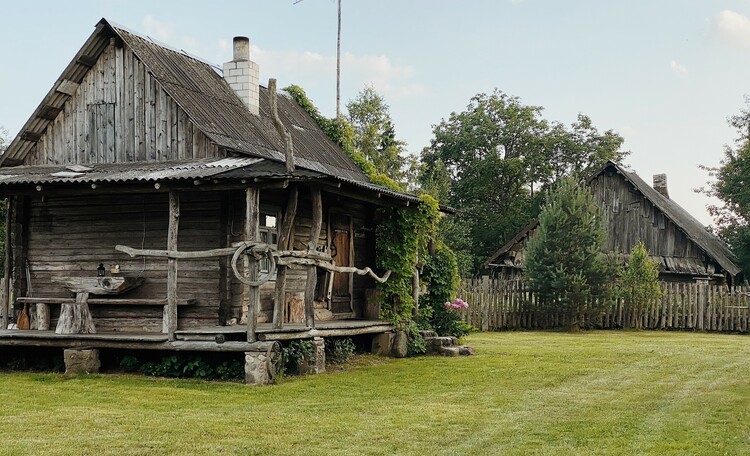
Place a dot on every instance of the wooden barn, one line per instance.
(635, 211)
(152, 195)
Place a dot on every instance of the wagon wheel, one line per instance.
(258, 252)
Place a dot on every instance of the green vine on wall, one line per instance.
(402, 235)
(401, 240)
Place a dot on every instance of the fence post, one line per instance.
(702, 298)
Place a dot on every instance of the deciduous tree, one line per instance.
(495, 160)
(374, 132)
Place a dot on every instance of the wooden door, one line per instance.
(341, 251)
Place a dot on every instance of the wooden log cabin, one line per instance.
(635, 211)
(155, 151)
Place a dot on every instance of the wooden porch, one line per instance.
(208, 338)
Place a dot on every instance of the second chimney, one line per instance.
(660, 184)
(243, 75)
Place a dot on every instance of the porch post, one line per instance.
(5, 297)
(252, 233)
(312, 272)
(286, 242)
(170, 311)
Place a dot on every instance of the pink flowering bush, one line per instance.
(456, 305)
(436, 310)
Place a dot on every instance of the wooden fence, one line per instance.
(497, 305)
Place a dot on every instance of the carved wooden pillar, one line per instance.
(5, 298)
(170, 310)
(286, 242)
(252, 233)
(312, 272)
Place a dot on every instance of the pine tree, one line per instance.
(639, 282)
(564, 260)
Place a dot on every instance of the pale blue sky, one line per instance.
(664, 74)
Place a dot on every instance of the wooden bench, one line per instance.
(103, 301)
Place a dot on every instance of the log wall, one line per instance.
(70, 236)
(120, 113)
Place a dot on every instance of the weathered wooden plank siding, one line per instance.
(71, 236)
(119, 114)
(630, 217)
(272, 201)
(506, 304)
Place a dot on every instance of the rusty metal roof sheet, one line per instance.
(127, 172)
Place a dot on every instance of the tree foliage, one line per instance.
(375, 134)
(564, 260)
(731, 184)
(341, 132)
(496, 159)
(639, 281)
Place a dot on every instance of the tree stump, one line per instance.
(75, 318)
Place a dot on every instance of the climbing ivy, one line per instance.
(402, 235)
(401, 240)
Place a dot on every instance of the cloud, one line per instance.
(392, 80)
(156, 28)
(679, 70)
(732, 28)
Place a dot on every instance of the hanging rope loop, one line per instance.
(256, 251)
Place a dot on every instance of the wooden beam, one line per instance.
(67, 87)
(49, 112)
(286, 238)
(225, 280)
(334, 332)
(170, 310)
(134, 344)
(31, 136)
(289, 149)
(86, 60)
(252, 233)
(312, 271)
(5, 298)
(174, 254)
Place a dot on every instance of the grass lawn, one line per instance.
(523, 393)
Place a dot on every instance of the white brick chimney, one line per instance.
(243, 75)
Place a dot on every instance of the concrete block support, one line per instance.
(82, 361)
(259, 369)
(382, 343)
(318, 366)
(400, 348)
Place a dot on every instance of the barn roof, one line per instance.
(693, 229)
(198, 88)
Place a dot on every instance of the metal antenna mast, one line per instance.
(338, 61)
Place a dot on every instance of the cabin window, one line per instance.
(268, 234)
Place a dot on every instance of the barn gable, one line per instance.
(125, 98)
(634, 212)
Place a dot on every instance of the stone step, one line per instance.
(442, 341)
(462, 350)
(427, 334)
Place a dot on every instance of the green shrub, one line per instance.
(440, 277)
(338, 351)
(296, 353)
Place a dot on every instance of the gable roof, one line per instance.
(693, 229)
(206, 98)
